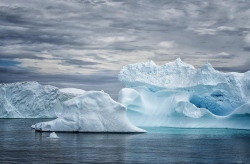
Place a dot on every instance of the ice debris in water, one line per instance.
(53, 135)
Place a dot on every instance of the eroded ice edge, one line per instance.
(178, 95)
(93, 111)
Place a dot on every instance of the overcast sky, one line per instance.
(84, 43)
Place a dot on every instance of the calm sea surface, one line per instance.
(20, 144)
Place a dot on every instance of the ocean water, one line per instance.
(20, 144)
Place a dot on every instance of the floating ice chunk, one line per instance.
(53, 135)
(94, 111)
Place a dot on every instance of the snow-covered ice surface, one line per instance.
(179, 95)
(31, 100)
(53, 135)
(93, 111)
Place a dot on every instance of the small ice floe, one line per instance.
(53, 135)
(33, 127)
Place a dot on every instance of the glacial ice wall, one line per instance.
(93, 111)
(31, 100)
(179, 95)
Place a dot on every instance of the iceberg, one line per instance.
(179, 95)
(31, 100)
(93, 111)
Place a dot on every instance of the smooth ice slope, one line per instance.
(178, 95)
(31, 100)
(93, 111)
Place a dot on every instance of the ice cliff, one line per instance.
(31, 100)
(179, 95)
(93, 111)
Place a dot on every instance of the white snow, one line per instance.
(179, 95)
(31, 100)
(176, 74)
(72, 90)
(53, 135)
(93, 111)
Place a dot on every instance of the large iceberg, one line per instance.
(179, 95)
(93, 111)
(31, 100)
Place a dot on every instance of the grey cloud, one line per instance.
(95, 56)
(240, 69)
(30, 28)
(20, 55)
(229, 56)
(79, 63)
(247, 48)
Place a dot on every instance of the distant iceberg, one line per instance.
(179, 95)
(31, 100)
(93, 111)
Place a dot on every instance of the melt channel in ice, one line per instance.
(93, 111)
(179, 95)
